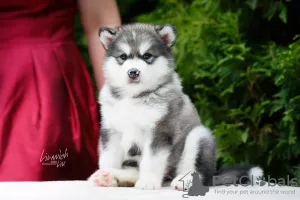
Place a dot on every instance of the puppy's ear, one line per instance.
(167, 33)
(106, 36)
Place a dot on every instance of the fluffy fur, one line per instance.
(151, 132)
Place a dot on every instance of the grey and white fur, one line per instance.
(151, 132)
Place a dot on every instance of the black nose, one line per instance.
(133, 73)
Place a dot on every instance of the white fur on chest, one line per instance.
(127, 115)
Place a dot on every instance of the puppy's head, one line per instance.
(138, 56)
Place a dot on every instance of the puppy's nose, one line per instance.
(133, 73)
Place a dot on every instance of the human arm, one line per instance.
(96, 14)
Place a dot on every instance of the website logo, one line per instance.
(194, 186)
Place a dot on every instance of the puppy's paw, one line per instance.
(181, 182)
(103, 178)
(146, 184)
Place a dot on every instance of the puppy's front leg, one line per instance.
(111, 153)
(110, 158)
(154, 162)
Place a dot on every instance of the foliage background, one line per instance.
(240, 63)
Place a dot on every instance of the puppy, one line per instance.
(151, 132)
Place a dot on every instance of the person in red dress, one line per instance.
(49, 121)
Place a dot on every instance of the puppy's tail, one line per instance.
(238, 175)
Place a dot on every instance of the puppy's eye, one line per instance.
(123, 57)
(147, 56)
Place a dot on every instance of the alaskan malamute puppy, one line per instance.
(151, 132)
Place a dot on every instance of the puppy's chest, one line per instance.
(129, 114)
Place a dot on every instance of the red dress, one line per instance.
(49, 123)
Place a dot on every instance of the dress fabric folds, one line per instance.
(49, 119)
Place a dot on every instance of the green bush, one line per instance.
(246, 88)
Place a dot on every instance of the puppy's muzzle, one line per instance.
(133, 73)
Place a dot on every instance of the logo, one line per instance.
(193, 187)
(58, 159)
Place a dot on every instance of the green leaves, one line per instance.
(245, 135)
(252, 4)
(278, 7)
(283, 13)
